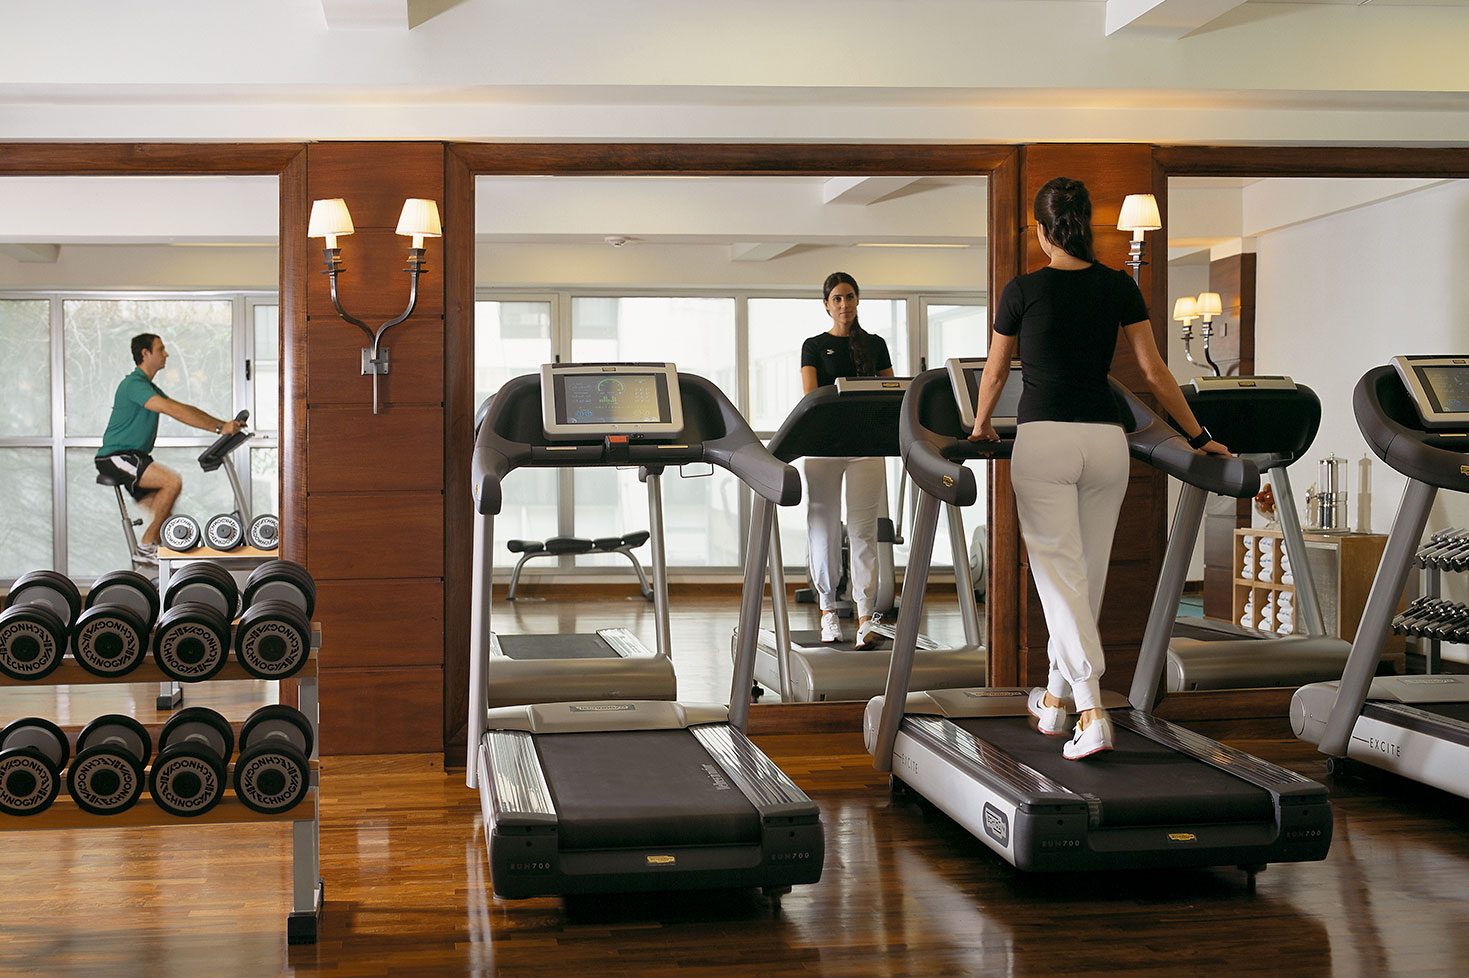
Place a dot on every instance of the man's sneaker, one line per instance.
(831, 626)
(868, 636)
(1049, 720)
(1094, 738)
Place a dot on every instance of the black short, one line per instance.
(129, 467)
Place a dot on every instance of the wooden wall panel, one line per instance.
(349, 446)
(1110, 171)
(381, 711)
(379, 623)
(376, 536)
(334, 349)
(375, 178)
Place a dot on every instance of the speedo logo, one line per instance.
(608, 708)
(996, 825)
(986, 694)
(716, 777)
(1430, 681)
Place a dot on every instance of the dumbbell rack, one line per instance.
(1437, 555)
(303, 923)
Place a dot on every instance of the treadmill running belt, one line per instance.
(812, 640)
(1139, 783)
(586, 646)
(642, 788)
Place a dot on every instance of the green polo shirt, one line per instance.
(132, 427)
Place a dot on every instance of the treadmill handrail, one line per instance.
(517, 406)
(1404, 448)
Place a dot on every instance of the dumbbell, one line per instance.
(110, 637)
(224, 531)
(273, 638)
(32, 753)
(107, 775)
(192, 640)
(264, 532)
(180, 532)
(39, 612)
(189, 774)
(273, 772)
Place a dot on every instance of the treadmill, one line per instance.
(1415, 415)
(1271, 421)
(609, 663)
(622, 794)
(1166, 796)
(856, 416)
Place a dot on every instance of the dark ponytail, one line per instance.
(1063, 208)
(857, 339)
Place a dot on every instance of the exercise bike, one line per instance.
(224, 531)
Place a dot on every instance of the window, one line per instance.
(61, 358)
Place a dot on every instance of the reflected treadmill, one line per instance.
(1415, 415)
(607, 663)
(623, 794)
(1166, 796)
(856, 416)
(1271, 421)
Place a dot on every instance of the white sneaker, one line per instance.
(868, 636)
(1094, 738)
(1050, 720)
(831, 626)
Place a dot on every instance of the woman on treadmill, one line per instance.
(1070, 463)
(845, 350)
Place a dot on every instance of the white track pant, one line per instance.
(1069, 481)
(866, 480)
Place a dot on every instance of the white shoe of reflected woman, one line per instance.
(1094, 738)
(1049, 720)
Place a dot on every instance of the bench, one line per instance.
(556, 546)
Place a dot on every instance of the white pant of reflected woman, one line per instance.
(866, 497)
(1069, 481)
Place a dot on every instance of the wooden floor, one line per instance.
(407, 888)
(407, 894)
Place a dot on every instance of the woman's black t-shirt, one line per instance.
(832, 356)
(1067, 322)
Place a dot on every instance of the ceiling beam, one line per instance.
(34, 254)
(862, 190)
(1170, 19)
(759, 250)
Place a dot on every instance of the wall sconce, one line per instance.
(1186, 309)
(330, 219)
(1139, 214)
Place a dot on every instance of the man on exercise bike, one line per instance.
(133, 428)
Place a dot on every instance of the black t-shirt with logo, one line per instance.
(1067, 322)
(832, 356)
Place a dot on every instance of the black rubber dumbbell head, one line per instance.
(109, 640)
(54, 590)
(224, 531)
(189, 774)
(203, 581)
(32, 753)
(107, 776)
(264, 532)
(284, 580)
(191, 642)
(181, 533)
(129, 589)
(273, 773)
(32, 641)
(273, 639)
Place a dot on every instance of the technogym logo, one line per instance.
(716, 777)
(607, 708)
(996, 825)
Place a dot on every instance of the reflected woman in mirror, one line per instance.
(1070, 463)
(844, 350)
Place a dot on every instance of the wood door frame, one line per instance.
(465, 161)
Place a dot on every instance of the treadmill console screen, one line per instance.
(964, 376)
(582, 402)
(1439, 387)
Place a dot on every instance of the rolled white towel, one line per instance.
(1285, 628)
(1267, 615)
(1286, 577)
(1267, 570)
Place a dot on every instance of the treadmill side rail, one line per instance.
(763, 784)
(517, 786)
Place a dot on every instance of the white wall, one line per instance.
(1340, 295)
